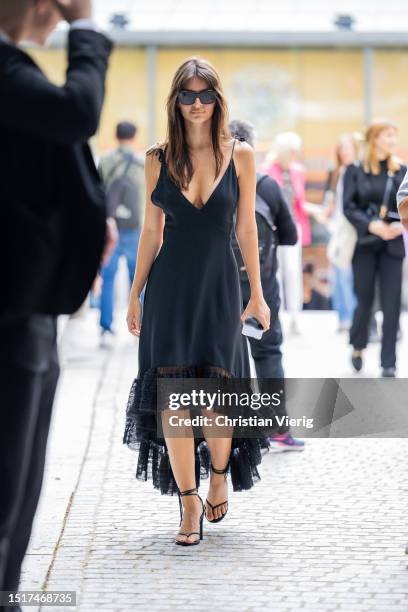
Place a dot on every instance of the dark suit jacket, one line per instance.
(51, 199)
(361, 190)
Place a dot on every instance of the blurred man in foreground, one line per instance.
(53, 237)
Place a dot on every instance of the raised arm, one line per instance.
(67, 114)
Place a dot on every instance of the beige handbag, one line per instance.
(342, 244)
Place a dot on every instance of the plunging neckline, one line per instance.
(213, 192)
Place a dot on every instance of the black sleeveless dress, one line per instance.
(191, 325)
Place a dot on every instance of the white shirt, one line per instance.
(84, 24)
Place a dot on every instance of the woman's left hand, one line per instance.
(258, 308)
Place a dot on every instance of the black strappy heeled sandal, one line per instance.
(217, 520)
(200, 533)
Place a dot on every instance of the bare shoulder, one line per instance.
(153, 159)
(244, 156)
(156, 149)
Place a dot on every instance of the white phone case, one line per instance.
(252, 332)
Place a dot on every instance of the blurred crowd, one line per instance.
(334, 262)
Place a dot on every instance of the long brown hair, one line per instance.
(371, 162)
(177, 155)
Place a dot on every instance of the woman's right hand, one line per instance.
(383, 230)
(133, 317)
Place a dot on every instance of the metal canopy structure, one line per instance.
(253, 23)
(255, 15)
(181, 38)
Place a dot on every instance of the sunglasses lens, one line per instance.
(207, 97)
(189, 97)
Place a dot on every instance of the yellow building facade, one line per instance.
(320, 93)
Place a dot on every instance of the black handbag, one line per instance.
(380, 212)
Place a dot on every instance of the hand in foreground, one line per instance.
(133, 317)
(111, 240)
(258, 308)
(74, 9)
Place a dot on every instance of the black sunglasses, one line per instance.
(207, 96)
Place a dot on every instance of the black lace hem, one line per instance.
(153, 462)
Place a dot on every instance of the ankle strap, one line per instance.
(189, 492)
(224, 471)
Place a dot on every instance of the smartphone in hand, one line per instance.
(252, 328)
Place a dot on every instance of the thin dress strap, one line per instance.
(161, 154)
(240, 138)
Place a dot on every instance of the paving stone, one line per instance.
(320, 532)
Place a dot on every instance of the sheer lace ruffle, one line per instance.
(153, 461)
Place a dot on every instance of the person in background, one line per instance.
(122, 172)
(317, 289)
(369, 201)
(279, 223)
(289, 173)
(54, 233)
(344, 300)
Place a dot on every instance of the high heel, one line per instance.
(217, 520)
(200, 533)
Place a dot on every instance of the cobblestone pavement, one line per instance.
(324, 529)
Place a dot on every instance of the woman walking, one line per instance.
(369, 199)
(289, 173)
(196, 180)
(343, 296)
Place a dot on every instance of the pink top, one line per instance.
(298, 178)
